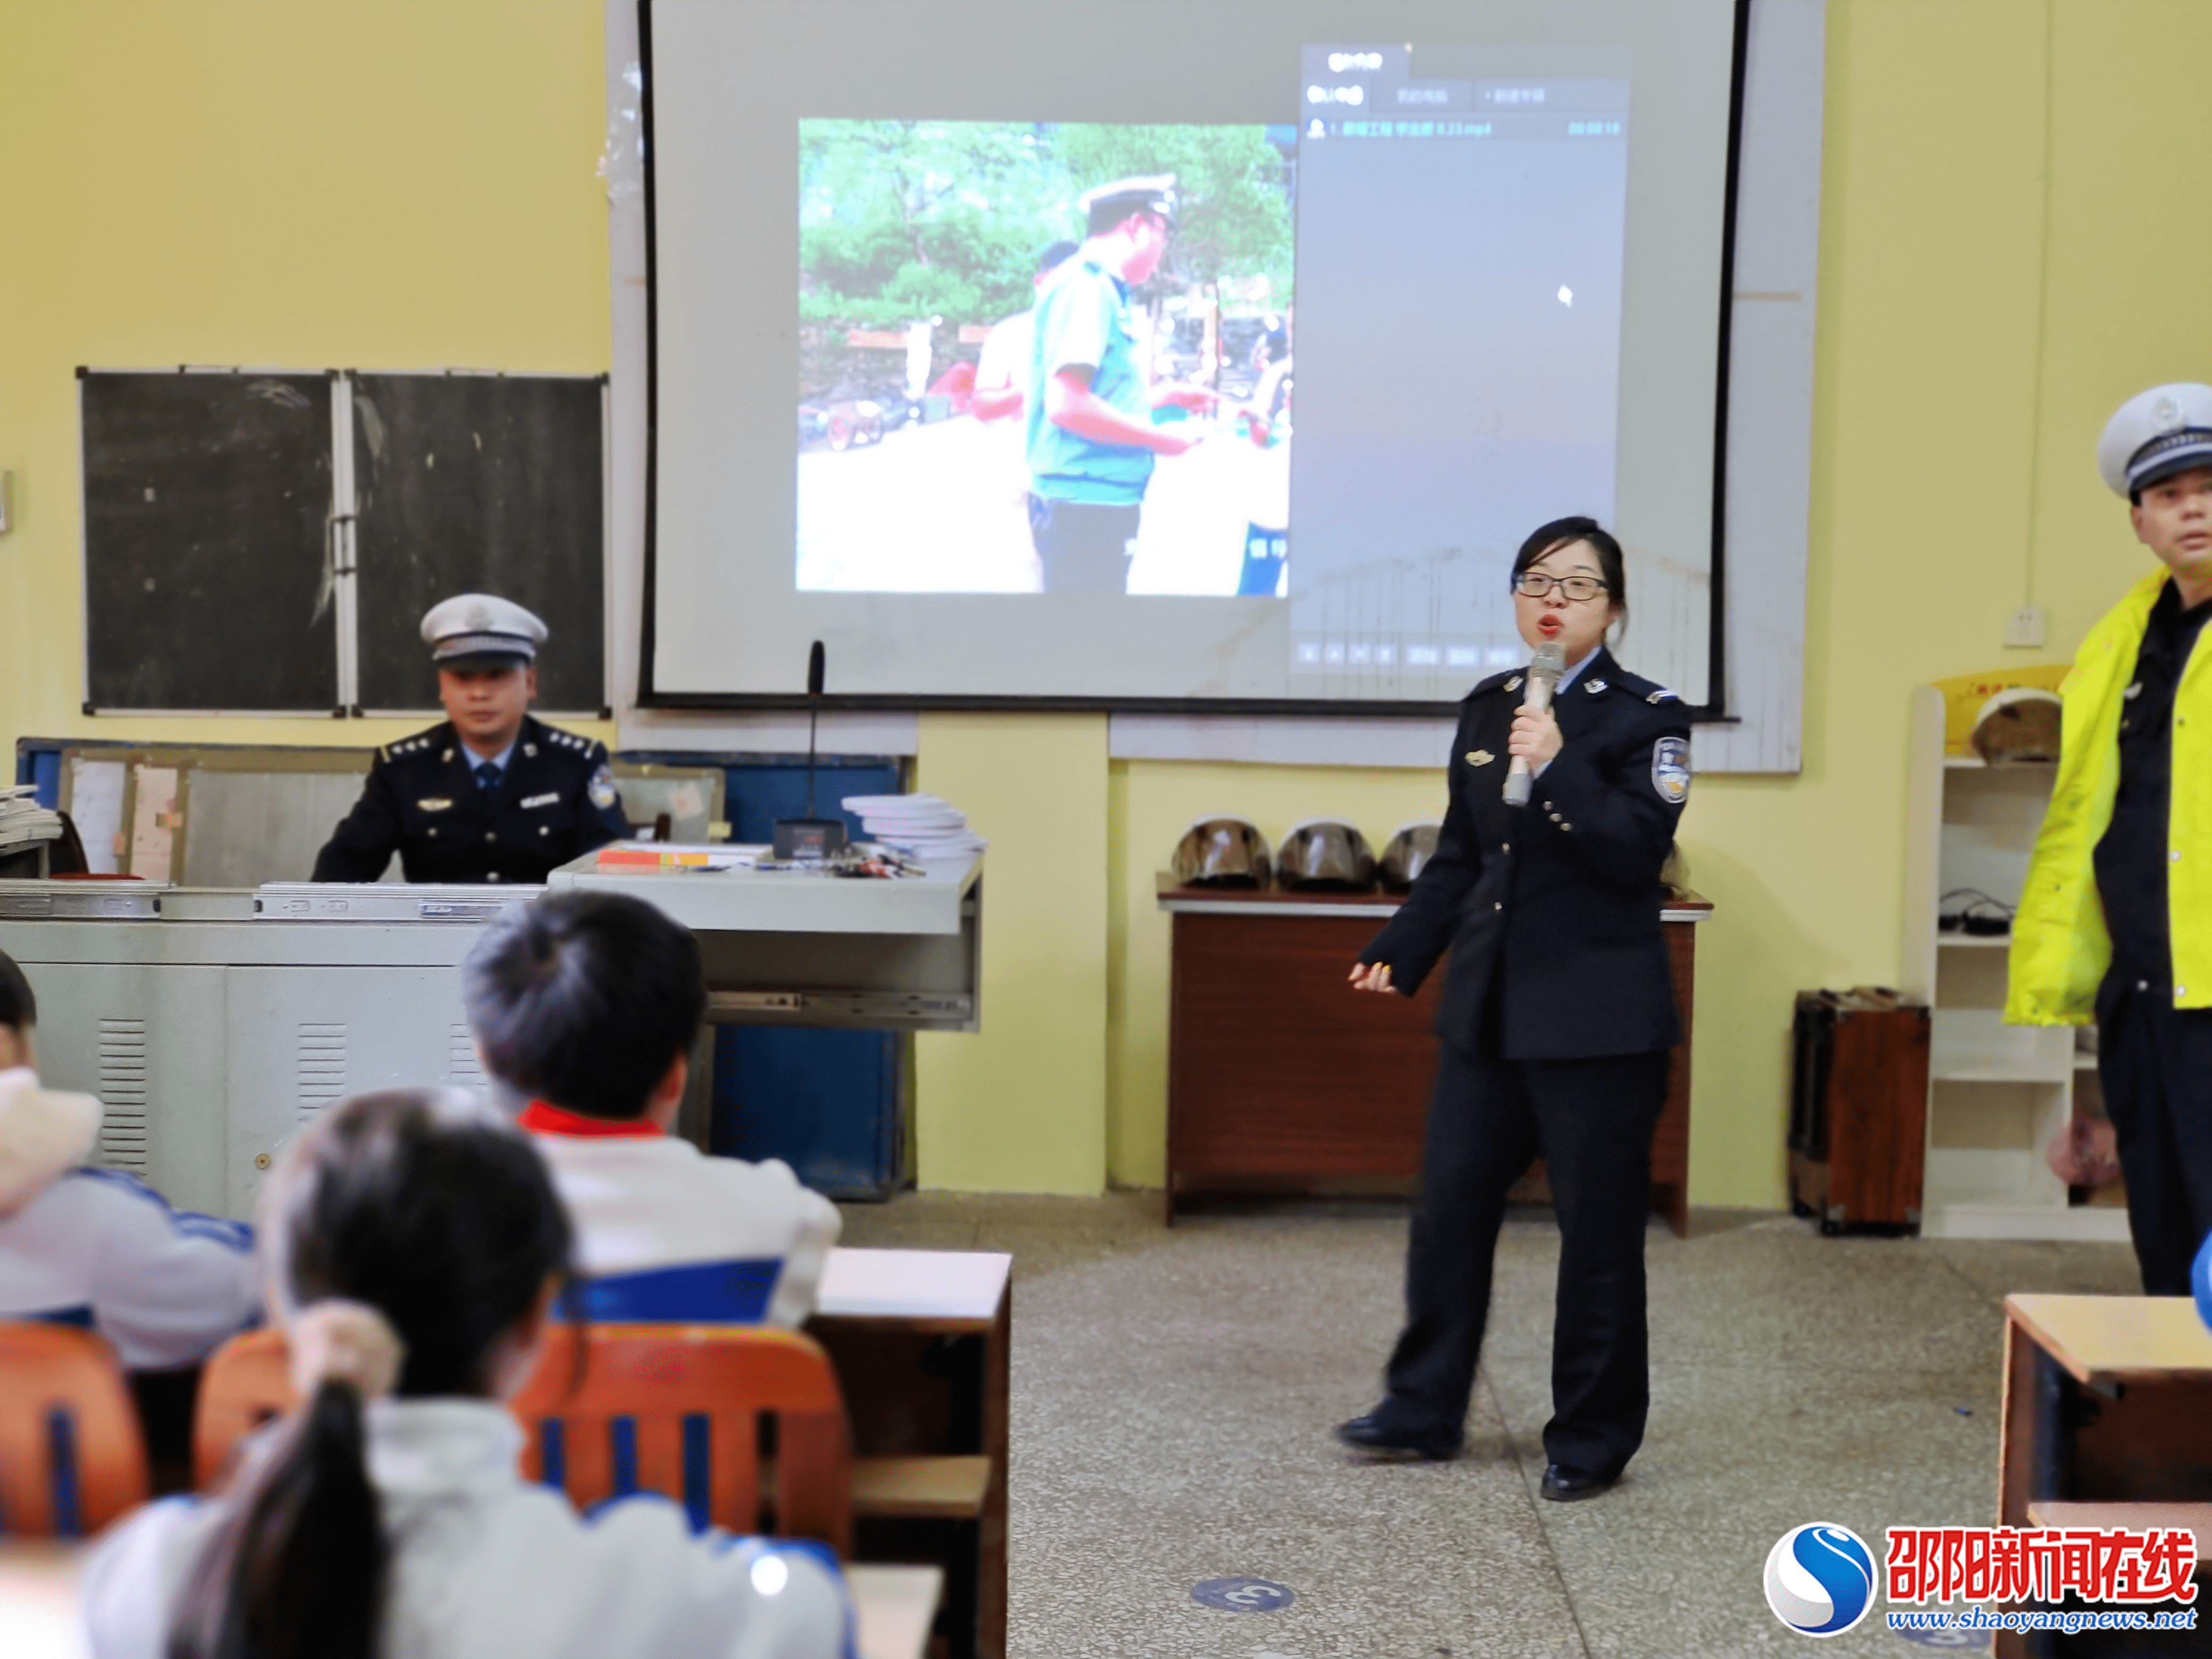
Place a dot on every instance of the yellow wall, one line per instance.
(1022, 1106)
(2008, 252)
(390, 184)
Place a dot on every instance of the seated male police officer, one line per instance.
(491, 794)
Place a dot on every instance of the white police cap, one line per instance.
(1153, 193)
(2156, 434)
(481, 625)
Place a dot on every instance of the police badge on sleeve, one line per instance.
(602, 789)
(1670, 769)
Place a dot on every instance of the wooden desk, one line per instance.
(39, 1618)
(896, 1606)
(921, 1341)
(39, 1614)
(2107, 1398)
(1277, 1069)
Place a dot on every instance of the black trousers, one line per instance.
(1083, 545)
(2156, 1063)
(1591, 1121)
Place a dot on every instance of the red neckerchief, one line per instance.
(542, 1117)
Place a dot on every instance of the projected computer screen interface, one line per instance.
(1232, 411)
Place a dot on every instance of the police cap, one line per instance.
(481, 630)
(1105, 206)
(2156, 434)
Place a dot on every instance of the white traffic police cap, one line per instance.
(2156, 434)
(1154, 193)
(481, 625)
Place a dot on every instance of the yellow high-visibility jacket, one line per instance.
(2060, 947)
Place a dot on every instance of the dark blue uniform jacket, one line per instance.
(1557, 902)
(557, 800)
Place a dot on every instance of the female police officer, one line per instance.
(1556, 1020)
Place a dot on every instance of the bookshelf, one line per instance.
(1998, 1094)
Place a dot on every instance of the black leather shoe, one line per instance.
(1564, 1486)
(1387, 1436)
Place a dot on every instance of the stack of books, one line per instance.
(22, 819)
(922, 825)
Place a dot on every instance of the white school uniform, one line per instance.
(485, 1565)
(100, 1247)
(664, 1233)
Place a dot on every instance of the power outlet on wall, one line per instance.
(2024, 627)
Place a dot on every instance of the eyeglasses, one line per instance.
(1536, 585)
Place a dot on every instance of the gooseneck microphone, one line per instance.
(810, 838)
(1544, 671)
(815, 659)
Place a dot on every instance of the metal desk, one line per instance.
(212, 1023)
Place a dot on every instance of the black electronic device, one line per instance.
(810, 839)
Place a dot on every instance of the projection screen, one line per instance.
(1213, 355)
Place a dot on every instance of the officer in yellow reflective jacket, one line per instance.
(2115, 923)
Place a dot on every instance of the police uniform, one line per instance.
(2115, 915)
(1086, 498)
(1556, 1022)
(429, 798)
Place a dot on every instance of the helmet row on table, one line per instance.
(1321, 854)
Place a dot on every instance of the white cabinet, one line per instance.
(1997, 1093)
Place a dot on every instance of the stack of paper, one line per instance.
(923, 825)
(22, 819)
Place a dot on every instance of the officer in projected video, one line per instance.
(1092, 443)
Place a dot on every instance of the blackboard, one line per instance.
(207, 567)
(486, 484)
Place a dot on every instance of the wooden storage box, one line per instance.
(1858, 1108)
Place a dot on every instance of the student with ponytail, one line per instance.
(414, 1248)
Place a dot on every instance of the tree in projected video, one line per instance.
(940, 222)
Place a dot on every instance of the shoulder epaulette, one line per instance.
(1508, 681)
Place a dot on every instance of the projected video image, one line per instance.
(1045, 358)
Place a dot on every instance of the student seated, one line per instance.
(585, 1006)
(97, 1247)
(414, 1248)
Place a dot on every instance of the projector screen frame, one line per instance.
(1713, 712)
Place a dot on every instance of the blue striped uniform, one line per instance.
(666, 1234)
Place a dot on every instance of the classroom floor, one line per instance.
(1173, 1392)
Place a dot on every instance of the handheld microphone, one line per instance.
(810, 838)
(1544, 671)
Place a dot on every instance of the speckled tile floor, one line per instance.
(1174, 1391)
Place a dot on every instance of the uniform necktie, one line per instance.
(488, 776)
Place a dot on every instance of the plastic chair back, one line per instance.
(72, 1457)
(674, 1409)
(246, 1382)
